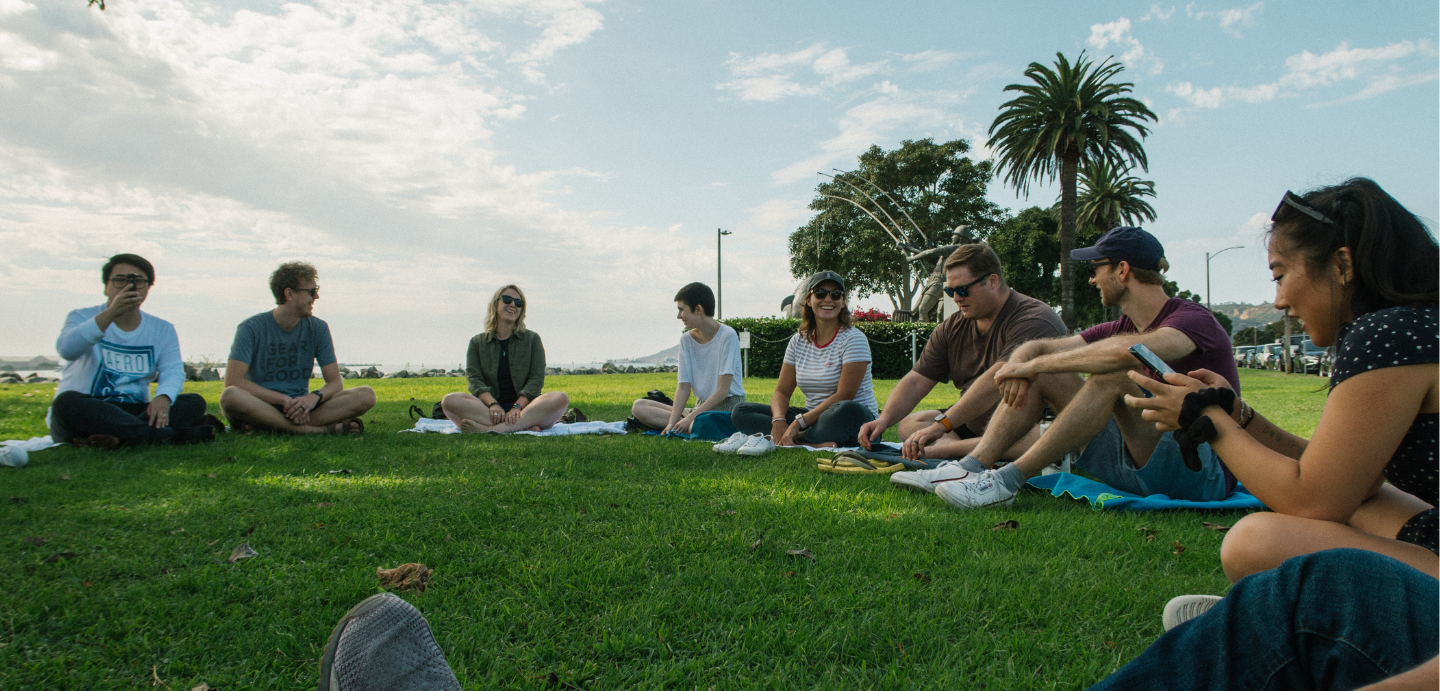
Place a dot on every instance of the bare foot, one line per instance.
(534, 428)
(469, 426)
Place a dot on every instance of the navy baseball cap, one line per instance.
(1125, 244)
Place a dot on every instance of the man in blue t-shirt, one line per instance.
(267, 378)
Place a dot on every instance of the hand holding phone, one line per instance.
(1151, 360)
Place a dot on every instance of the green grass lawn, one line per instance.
(599, 562)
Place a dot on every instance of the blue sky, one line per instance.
(422, 154)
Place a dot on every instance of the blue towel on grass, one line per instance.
(1102, 496)
(711, 425)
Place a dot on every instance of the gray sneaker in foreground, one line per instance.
(927, 480)
(383, 644)
(1186, 607)
(13, 457)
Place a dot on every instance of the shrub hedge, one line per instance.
(889, 344)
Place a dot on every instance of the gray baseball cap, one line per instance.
(822, 277)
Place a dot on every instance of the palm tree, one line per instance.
(1109, 195)
(1070, 115)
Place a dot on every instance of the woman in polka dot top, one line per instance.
(1361, 273)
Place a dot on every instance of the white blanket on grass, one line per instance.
(559, 430)
(32, 444)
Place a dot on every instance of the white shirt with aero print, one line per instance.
(118, 365)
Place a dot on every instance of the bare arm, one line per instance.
(903, 398)
(1426, 677)
(1110, 354)
(1362, 425)
(235, 372)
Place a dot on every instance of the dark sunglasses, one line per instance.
(964, 291)
(1298, 204)
(314, 292)
(1096, 265)
(512, 301)
(820, 294)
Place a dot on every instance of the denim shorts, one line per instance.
(1107, 458)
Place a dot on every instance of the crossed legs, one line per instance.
(243, 408)
(473, 416)
(1261, 541)
(653, 414)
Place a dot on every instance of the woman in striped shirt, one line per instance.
(830, 361)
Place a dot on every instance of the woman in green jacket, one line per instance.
(506, 369)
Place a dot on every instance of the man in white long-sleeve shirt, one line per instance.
(113, 352)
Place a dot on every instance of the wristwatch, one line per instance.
(516, 406)
(944, 419)
(319, 398)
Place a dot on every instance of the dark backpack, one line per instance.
(658, 396)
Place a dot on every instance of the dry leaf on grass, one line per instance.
(57, 557)
(177, 531)
(800, 553)
(448, 538)
(923, 577)
(627, 465)
(242, 551)
(494, 460)
(202, 686)
(582, 510)
(1217, 527)
(1147, 533)
(228, 459)
(756, 544)
(19, 500)
(64, 477)
(210, 475)
(405, 577)
(34, 540)
(1005, 525)
(1177, 548)
(247, 532)
(317, 525)
(788, 574)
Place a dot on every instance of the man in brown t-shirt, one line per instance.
(966, 349)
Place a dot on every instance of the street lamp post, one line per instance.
(719, 282)
(1208, 257)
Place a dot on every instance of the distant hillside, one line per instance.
(1245, 315)
(671, 353)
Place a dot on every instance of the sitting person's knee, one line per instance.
(450, 400)
(365, 395)
(560, 398)
(231, 396)
(1246, 544)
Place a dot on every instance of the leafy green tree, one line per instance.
(1068, 116)
(929, 189)
(1028, 245)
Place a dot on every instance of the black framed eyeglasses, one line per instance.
(964, 291)
(138, 279)
(1096, 265)
(820, 294)
(314, 292)
(1298, 204)
(512, 301)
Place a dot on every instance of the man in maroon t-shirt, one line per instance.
(1120, 449)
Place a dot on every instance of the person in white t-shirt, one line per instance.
(709, 366)
(829, 361)
(114, 351)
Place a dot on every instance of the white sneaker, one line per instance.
(1186, 607)
(1062, 467)
(13, 456)
(975, 492)
(926, 480)
(732, 444)
(756, 445)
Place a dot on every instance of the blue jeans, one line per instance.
(1337, 619)
(1108, 459)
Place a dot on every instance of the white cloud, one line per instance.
(1230, 20)
(872, 122)
(930, 59)
(1307, 70)
(1118, 33)
(1157, 12)
(773, 76)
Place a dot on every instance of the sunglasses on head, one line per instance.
(512, 301)
(820, 294)
(964, 291)
(1096, 265)
(1298, 204)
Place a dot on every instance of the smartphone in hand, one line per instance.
(1151, 360)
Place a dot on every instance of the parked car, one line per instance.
(1245, 356)
(1313, 358)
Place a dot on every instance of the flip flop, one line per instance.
(343, 427)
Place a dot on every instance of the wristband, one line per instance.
(496, 404)
(777, 419)
(319, 398)
(1247, 414)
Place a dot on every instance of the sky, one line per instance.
(422, 154)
